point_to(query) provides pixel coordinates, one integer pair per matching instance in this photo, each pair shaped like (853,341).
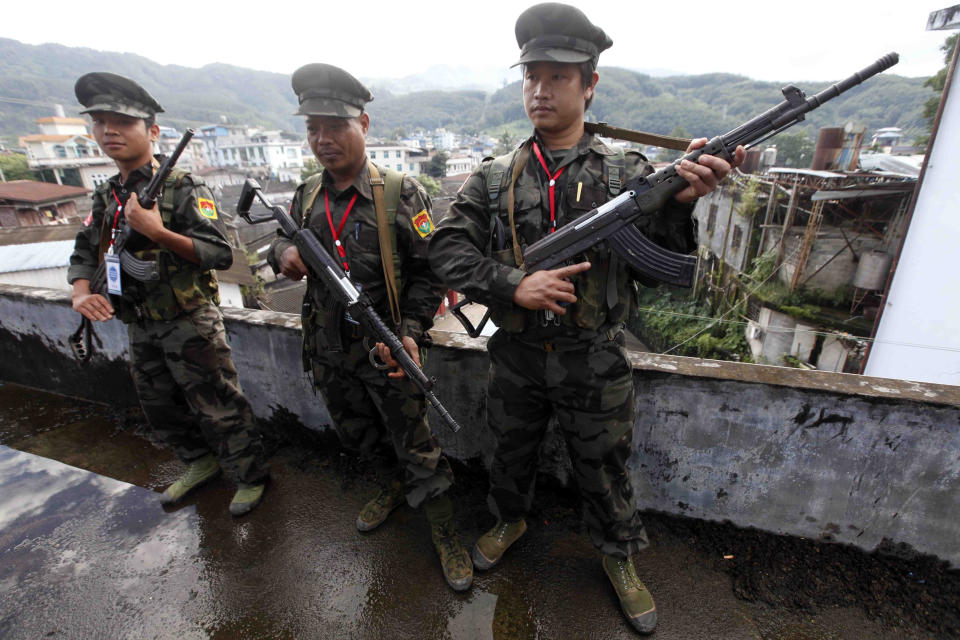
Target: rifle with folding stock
(357,304)
(613,221)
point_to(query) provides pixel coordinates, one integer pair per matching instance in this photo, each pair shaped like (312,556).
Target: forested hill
(702,105)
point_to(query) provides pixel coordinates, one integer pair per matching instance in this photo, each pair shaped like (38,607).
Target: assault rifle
(613,221)
(140,270)
(357,304)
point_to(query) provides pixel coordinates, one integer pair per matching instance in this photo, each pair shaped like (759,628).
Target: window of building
(712,218)
(399,155)
(60,151)
(737,237)
(399,167)
(411,166)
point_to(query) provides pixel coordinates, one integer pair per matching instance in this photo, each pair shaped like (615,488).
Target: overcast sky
(806,40)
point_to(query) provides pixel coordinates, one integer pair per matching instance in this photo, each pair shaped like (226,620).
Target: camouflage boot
(457,568)
(376,511)
(492,545)
(246,498)
(635,601)
(198,472)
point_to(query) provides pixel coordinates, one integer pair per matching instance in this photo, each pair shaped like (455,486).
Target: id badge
(112,263)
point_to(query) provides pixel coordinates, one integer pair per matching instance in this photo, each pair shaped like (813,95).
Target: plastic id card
(113,274)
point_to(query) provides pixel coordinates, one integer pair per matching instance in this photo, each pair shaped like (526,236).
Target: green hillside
(704,105)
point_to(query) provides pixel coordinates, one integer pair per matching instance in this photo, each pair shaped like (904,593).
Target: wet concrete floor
(86,551)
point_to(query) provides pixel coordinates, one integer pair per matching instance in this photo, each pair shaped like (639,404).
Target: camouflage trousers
(589,388)
(189,391)
(383,419)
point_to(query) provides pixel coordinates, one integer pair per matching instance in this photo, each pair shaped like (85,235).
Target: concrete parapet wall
(867,461)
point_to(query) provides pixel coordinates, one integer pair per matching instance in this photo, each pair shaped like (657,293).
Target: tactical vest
(603,293)
(321,317)
(182,286)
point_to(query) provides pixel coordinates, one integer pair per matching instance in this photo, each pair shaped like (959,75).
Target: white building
(408,160)
(278,153)
(193,158)
(443,139)
(65,153)
(460,164)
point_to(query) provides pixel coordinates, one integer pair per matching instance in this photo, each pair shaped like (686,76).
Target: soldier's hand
(409,345)
(545,289)
(705,174)
(93,306)
(291,265)
(146,221)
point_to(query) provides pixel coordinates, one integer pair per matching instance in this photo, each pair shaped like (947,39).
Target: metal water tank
(829,146)
(872,270)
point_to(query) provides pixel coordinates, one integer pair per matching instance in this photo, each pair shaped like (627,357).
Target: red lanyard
(553,182)
(116,216)
(336,232)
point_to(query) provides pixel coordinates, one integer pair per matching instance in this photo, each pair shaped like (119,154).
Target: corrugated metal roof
(860,193)
(40,255)
(808,172)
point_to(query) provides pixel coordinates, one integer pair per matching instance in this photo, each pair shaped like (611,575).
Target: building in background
(27,203)
(65,153)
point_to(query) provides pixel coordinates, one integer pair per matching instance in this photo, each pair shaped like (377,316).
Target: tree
(430,185)
(399,133)
(794,149)
(937,83)
(310,167)
(437,166)
(14,167)
(505,144)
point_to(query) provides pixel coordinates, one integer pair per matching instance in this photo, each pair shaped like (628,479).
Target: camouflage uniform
(573,366)
(180,359)
(380,417)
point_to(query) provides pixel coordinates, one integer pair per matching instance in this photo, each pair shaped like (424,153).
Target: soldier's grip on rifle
(291,265)
(383,352)
(704,176)
(149,223)
(91,306)
(546,289)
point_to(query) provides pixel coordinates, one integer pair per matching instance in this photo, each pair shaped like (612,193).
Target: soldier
(180,359)
(559,348)
(380,415)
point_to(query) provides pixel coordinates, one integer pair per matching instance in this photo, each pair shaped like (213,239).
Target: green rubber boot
(454,559)
(492,545)
(635,601)
(376,511)
(247,497)
(198,472)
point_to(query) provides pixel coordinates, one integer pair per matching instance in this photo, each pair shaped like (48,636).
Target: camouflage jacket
(464,252)
(183,286)
(420,289)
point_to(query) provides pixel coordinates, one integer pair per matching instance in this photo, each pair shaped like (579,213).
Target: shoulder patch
(423,224)
(207,208)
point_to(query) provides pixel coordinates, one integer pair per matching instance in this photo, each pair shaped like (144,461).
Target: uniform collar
(361,183)
(587,143)
(137,175)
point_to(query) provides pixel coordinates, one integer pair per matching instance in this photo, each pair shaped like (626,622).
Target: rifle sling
(519,162)
(641,137)
(386,246)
